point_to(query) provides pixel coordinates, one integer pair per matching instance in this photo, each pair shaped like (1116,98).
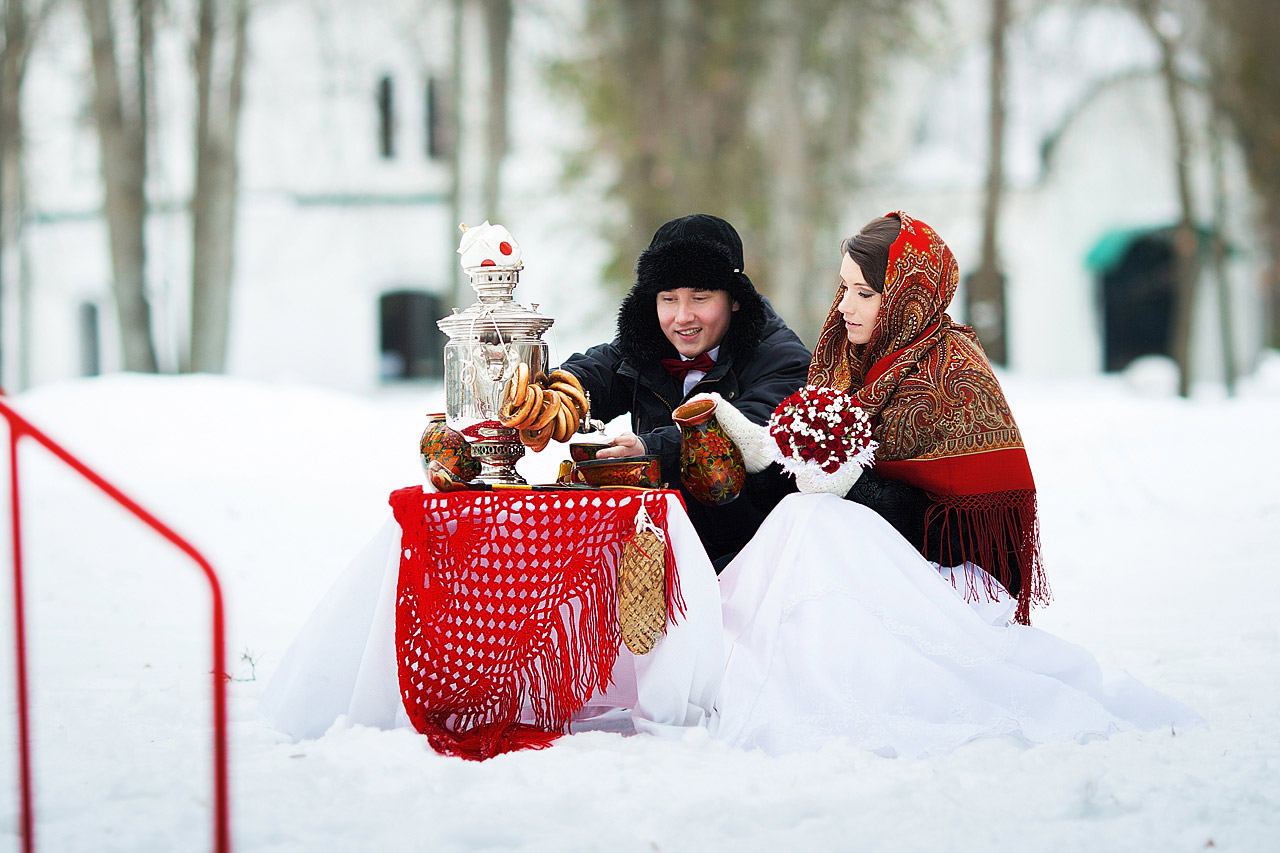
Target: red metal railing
(20,428)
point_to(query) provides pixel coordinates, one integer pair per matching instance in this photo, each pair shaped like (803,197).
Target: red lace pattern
(508,600)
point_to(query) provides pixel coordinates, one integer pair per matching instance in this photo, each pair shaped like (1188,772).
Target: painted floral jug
(710,463)
(445,445)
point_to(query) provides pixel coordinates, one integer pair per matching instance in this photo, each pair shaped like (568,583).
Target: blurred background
(272,189)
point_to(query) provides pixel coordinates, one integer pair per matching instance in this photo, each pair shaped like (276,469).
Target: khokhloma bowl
(641,471)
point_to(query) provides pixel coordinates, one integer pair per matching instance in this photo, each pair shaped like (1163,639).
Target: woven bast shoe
(642,597)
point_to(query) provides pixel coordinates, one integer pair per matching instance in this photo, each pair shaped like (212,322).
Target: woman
(835,624)
(951,473)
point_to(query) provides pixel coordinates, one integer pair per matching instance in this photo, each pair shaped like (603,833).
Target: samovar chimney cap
(491,258)
(488,246)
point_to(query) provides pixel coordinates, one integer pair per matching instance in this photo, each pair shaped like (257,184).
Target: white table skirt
(342,664)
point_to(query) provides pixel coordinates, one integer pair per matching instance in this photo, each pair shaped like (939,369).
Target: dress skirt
(342,664)
(836,628)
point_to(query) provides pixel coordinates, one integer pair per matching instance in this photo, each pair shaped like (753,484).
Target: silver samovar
(486,342)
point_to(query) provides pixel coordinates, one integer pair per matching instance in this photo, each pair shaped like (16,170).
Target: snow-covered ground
(1159,515)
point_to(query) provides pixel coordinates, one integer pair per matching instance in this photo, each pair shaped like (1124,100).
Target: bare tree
(1219,255)
(13,63)
(1245,81)
(420,23)
(21,25)
(1159,23)
(984,292)
(750,111)
(639,102)
(497,20)
(789,229)
(488,22)
(122,137)
(644,29)
(213,202)
(819,74)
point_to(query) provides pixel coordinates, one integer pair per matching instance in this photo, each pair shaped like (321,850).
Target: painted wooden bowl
(642,471)
(584,450)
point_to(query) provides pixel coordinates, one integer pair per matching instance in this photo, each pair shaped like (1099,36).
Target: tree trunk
(644,32)
(789,229)
(1185,241)
(12,66)
(213,204)
(1269,226)
(1220,257)
(1244,77)
(690,102)
(1271,296)
(22,24)
(457,284)
(123,152)
(984,294)
(498,31)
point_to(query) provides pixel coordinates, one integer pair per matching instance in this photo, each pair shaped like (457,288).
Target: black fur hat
(699,251)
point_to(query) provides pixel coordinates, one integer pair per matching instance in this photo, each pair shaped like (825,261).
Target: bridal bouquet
(823,438)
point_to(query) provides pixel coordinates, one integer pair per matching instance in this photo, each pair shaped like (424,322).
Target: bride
(895,612)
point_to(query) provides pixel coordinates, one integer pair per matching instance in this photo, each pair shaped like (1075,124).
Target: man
(694,323)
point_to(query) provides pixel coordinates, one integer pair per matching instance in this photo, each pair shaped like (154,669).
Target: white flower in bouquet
(822,437)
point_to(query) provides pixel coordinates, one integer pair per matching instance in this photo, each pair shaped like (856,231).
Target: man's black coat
(760,362)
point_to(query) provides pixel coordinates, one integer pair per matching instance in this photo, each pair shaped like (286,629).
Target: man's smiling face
(695,321)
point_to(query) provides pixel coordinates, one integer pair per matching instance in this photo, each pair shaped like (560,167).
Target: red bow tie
(679,368)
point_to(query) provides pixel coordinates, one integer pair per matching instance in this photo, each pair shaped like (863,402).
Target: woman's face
(860,305)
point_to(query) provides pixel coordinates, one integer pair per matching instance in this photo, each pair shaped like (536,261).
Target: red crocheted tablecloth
(508,600)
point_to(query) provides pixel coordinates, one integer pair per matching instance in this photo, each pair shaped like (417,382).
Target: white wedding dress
(835,627)
(342,664)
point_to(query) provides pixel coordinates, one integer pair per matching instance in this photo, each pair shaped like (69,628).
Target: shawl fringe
(470,660)
(484,742)
(999,531)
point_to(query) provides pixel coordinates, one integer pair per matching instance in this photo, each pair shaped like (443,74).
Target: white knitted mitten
(750,437)
(812,480)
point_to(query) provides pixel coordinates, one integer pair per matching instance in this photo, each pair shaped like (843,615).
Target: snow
(1159,516)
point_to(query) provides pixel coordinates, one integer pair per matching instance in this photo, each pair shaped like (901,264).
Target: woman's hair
(869,248)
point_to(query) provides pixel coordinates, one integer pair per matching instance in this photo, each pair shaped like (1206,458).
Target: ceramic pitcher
(710,464)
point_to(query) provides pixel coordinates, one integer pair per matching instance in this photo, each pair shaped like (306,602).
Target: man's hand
(627,444)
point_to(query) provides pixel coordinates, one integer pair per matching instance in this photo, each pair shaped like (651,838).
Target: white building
(346,236)
(1092,196)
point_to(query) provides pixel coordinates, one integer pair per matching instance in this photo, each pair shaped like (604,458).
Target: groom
(693,323)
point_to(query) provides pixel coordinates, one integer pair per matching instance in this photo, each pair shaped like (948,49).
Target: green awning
(1107,252)
(1110,248)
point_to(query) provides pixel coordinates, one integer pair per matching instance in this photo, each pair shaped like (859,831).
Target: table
(345,665)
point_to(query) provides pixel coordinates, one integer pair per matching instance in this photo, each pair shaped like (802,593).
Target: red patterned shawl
(939,414)
(506,601)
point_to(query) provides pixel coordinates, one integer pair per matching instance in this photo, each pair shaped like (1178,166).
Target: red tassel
(485,741)
(984,525)
(502,604)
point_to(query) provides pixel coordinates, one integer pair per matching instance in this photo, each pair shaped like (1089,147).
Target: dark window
(386,118)
(1137,301)
(89,345)
(412,345)
(439,119)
